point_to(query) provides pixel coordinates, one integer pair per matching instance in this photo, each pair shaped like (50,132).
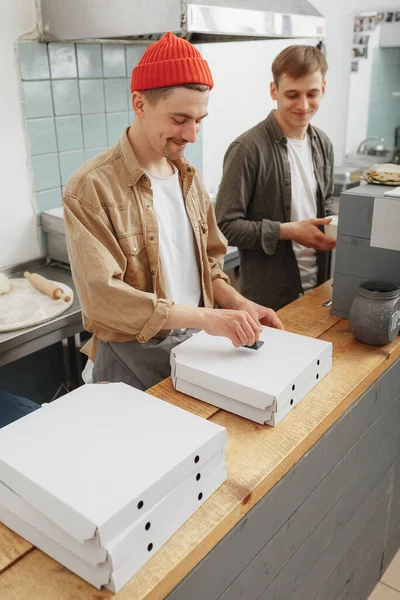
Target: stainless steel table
(66,328)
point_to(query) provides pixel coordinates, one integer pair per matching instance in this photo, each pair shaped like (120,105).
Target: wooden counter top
(257,458)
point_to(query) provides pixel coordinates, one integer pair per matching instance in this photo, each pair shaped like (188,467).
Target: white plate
(25,306)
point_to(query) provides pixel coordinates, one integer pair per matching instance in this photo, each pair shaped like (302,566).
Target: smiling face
(298,100)
(172,120)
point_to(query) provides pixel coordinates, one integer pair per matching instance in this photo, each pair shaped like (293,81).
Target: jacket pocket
(132,245)
(137,272)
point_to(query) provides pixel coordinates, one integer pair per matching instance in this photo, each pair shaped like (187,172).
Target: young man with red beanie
(146,253)
(277,186)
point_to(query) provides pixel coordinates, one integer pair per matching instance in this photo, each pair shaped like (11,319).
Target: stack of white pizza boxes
(101,478)
(262,384)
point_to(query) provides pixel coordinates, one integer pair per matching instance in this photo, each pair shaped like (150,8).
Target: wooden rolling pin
(46,286)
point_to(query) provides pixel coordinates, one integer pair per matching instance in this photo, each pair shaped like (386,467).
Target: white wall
(242,75)
(333,116)
(359,97)
(18,231)
(240,98)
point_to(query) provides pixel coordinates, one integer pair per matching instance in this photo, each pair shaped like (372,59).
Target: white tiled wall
(77,103)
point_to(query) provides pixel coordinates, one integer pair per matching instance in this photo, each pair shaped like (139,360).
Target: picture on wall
(397,16)
(363,24)
(354,66)
(366,23)
(360,39)
(360,52)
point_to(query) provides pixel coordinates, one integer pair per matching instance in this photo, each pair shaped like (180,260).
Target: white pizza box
(238,408)
(142,533)
(276,376)
(117,550)
(102,575)
(98,458)
(186,509)
(264,417)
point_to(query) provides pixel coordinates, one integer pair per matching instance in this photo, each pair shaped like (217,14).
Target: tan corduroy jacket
(112,237)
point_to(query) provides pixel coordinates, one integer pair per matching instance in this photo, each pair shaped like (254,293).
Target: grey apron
(138,365)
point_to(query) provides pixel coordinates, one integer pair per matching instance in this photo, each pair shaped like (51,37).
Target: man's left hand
(261,314)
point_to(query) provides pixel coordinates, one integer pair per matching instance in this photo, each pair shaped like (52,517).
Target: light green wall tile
(89,61)
(46,172)
(69,163)
(66,97)
(48,199)
(92,96)
(42,136)
(69,133)
(114,62)
(116,124)
(94,131)
(62,61)
(38,100)
(116,97)
(33,61)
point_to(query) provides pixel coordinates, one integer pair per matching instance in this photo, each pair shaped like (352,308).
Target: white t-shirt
(176,239)
(304,205)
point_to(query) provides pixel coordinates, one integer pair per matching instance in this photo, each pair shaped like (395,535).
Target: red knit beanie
(170,61)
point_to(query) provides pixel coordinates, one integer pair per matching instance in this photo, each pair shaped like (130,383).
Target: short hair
(297,61)
(155,94)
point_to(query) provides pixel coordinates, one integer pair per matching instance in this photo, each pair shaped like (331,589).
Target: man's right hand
(237,325)
(308,234)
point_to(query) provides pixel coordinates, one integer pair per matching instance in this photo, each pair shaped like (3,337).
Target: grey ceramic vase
(375,313)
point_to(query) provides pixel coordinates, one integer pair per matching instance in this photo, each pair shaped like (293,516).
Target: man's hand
(261,314)
(254,314)
(308,234)
(237,325)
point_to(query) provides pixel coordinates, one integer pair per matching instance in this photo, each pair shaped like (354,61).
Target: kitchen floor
(389,586)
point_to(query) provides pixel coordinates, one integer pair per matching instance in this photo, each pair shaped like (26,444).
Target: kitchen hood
(198,21)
